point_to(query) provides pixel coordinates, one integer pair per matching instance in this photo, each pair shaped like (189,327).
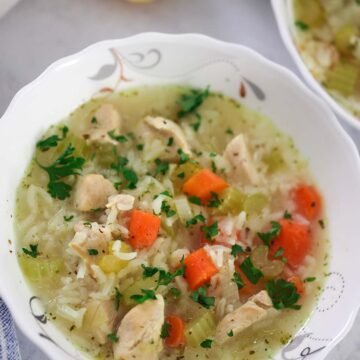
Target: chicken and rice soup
(328,39)
(171,223)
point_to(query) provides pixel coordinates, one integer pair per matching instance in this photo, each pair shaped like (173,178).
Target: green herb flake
(128,174)
(229,131)
(196,219)
(181,175)
(53,140)
(118,138)
(117,298)
(65,165)
(97,210)
(190,102)
(206,344)
(301,25)
(149,271)
(175,292)
(212,154)
(33,252)
(201,298)
(112,337)
(287,215)
(251,272)
(165,330)
(194,200)
(283,294)
(214,201)
(210,231)
(230,333)
(94,120)
(197,123)
(309,279)
(183,157)
(170,141)
(213,167)
(236,250)
(279,252)
(167,210)
(140,147)
(238,280)
(162,167)
(93,252)
(147,294)
(271,234)
(68,218)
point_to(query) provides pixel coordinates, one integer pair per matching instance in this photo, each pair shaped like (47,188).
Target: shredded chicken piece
(243,168)
(122,202)
(92,192)
(255,309)
(107,119)
(139,332)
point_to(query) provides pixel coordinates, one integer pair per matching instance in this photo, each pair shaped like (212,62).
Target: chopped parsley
(65,165)
(68,218)
(251,272)
(309,279)
(206,344)
(147,294)
(170,141)
(140,147)
(196,124)
(166,193)
(301,25)
(190,102)
(194,220)
(94,120)
(165,330)
(279,252)
(236,249)
(52,141)
(283,294)
(230,333)
(287,215)
(162,167)
(238,280)
(194,200)
(229,131)
(210,231)
(213,166)
(212,154)
(118,138)
(183,157)
(358,2)
(149,271)
(112,337)
(214,201)
(87,224)
(128,174)
(181,175)
(271,234)
(167,210)
(97,210)
(33,252)
(200,297)
(175,292)
(93,252)
(117,299)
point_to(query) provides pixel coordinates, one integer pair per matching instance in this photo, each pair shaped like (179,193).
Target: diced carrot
(249,288)
(298,284)
(199,268)
(294,238)
(203,183)
(176,331)
(308,201)
(143,228)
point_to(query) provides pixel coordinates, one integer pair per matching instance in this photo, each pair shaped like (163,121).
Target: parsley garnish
(206,344)
(162,167)
(279,252)
(287,215)
(68,218)
(190,102)
(93,252)
(196,125)
(117,299)
(236,249)
(140,147)
(251,272)
(309,279)
(214,201)
(301,25)
(112,337)
(229,131)
(194,200)
(358,2)
(170,141)
(200,297)
(181,175)
(128,174)
(283,294)
(167,210)
(213,166)
(147,295)
(271,234)
(230,333)
(65,165)
(175,292)
(183,157)
(149,271)
(87,224)
(118,138)
(97,210)
(165,330)
(212,154)
(52,140)
(166,193)
(33,252)
(238,280)
(193,221)
(210,231)
(94,120)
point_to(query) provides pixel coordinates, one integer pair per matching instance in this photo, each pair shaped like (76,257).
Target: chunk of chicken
(139,332)
(169,129)
(107,119)
(122,202)
(100,319)
(254,310)
(92,192)
(243,168)
(90,236)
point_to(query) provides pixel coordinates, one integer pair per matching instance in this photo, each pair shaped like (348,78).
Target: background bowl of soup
(192,61)
(292,30)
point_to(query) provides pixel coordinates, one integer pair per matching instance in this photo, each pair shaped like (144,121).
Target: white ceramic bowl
(285,24)
(198,61)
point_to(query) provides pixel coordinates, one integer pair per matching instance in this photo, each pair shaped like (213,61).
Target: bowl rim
(190,38)
(285,34)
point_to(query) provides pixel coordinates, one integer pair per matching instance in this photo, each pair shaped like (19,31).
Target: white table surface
(35,33)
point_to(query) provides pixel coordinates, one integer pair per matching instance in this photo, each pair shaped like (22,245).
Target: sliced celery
(309,12)
(343,78)
(274,160)
(344,38)
(40,270)
(232,201)
(254,203)
(200,328)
